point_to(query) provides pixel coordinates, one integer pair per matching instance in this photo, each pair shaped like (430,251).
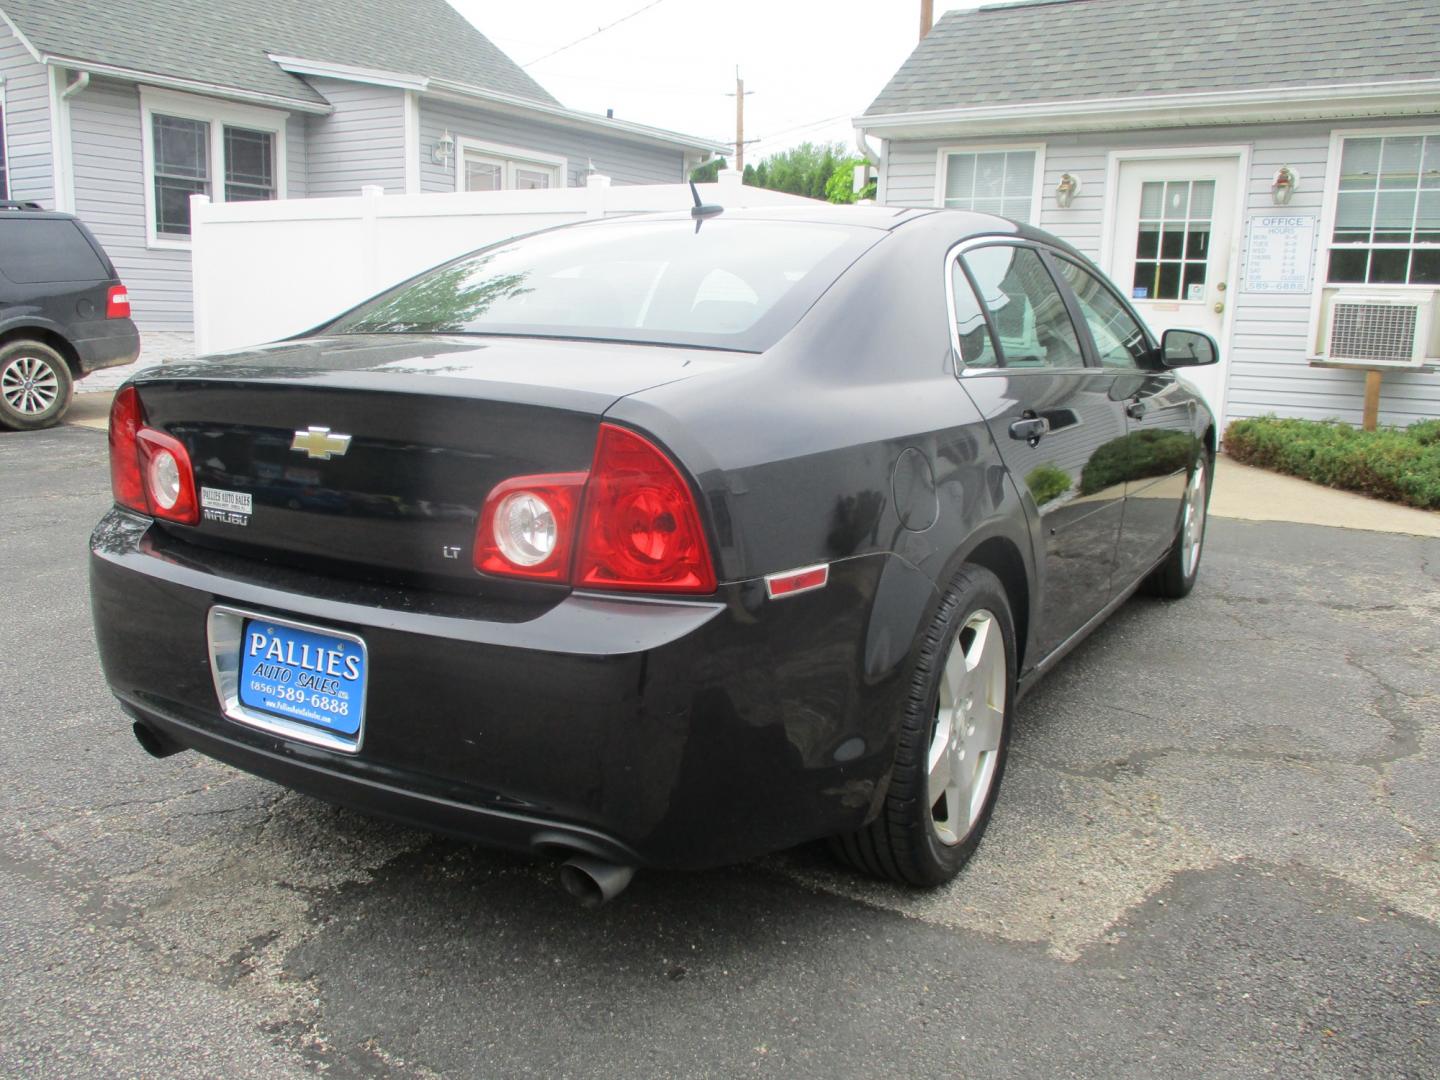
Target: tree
(709,172)
(841,186)
(809,169)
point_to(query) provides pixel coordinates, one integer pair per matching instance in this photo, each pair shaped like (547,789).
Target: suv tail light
(150,471)
(117,302)
(630,523)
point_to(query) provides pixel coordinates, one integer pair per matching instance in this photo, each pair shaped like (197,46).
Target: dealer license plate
(303,675)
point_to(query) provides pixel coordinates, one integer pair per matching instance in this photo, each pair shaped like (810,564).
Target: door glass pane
(1172,243)
(249,165)
(483,174)
(1025,306)
(1118,337)
(976,348)
(182,168)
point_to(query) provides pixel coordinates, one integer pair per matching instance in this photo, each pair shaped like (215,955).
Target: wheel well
(45,337)
(1002,558)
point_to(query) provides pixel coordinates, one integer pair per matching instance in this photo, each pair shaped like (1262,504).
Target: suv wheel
(35,386)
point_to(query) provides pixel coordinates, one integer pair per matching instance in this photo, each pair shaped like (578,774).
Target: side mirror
(1188,348)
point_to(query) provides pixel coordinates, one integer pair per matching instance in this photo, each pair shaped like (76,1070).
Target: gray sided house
(121,116)
(1268,171)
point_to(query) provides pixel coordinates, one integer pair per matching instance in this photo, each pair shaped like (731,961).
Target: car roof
(11,210)
(952,225)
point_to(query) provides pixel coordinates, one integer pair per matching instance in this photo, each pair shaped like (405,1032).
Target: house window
(182,169)
(197,146)
(1387,212)
(990,181)
(485,167)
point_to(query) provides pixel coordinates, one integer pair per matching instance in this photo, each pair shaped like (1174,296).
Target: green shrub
(1047,483)
(1399,464)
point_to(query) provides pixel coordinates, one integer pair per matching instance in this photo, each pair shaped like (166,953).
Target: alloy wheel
(29,385)
(969,722)
(1192,529)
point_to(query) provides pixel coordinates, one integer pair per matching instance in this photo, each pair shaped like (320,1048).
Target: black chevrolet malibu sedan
(663,541)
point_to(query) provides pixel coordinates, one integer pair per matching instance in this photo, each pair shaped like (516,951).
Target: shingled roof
(226,43)
(1073,50)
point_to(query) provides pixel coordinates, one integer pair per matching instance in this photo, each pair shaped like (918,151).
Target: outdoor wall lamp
(1284,185)
(443,149)
(1066,189)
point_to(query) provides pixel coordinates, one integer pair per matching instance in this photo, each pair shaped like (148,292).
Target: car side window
(1030,318)
(1119,339)
(976,348)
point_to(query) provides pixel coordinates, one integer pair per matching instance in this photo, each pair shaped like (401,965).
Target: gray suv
(63,313)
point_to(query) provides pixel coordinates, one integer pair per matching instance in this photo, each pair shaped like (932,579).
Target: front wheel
(953,739)
(1176,576)
(35,386)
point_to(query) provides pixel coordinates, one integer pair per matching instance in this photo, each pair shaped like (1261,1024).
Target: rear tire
(35,386)
(1176,576)
(954,735)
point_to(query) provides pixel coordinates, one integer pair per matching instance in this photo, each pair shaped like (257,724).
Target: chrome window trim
(952,256)
(224,634)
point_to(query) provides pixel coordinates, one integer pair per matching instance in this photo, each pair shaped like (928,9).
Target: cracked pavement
(1215,852)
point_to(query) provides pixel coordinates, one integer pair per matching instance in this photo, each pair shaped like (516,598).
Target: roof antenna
(700,211)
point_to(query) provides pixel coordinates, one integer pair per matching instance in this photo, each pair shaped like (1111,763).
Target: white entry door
(1172,250)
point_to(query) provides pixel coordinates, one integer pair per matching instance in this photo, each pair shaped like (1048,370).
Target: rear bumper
(666,733)
(118,344)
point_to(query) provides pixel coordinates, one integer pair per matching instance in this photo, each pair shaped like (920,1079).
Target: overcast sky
(811,64)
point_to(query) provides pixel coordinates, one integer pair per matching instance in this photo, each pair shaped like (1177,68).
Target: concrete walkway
(1252,494)
(1240,491)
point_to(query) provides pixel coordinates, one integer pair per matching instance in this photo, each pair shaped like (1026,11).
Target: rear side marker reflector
(791,582)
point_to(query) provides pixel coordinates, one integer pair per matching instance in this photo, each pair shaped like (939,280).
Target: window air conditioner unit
(1379,330)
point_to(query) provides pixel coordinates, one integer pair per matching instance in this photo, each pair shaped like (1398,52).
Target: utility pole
(740,93)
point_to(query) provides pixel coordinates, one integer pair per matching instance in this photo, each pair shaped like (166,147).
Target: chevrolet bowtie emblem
(320,442)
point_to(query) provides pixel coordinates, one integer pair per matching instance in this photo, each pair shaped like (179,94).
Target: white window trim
(512,155)
(5,143)
(217,114)
(1328,205)
(1037,189)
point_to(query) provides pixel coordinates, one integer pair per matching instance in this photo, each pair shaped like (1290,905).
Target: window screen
(998,182)
(1029,315)
(34,250)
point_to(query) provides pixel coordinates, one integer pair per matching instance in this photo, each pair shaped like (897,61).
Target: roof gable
(1074,50)
(228,42)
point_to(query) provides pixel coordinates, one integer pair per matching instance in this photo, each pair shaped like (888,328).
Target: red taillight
(149,470)
(527,527)
(117,302)
(126,420)
(639,528)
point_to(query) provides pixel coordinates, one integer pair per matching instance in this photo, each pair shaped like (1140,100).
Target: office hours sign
(1280,253)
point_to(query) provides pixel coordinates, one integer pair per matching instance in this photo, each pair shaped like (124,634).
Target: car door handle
(1135,410)
(1031,429)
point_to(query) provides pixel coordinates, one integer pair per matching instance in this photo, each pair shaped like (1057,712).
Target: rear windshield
(732,285)
(47,249)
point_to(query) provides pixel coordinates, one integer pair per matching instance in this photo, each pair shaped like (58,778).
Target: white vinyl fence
(265,270)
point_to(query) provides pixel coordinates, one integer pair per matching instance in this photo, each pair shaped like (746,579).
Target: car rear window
(731,284)
(41,250)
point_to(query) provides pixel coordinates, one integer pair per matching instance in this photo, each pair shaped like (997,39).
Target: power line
(598,30)
(801,127)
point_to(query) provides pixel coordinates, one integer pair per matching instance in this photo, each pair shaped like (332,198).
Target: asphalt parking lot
(1217,854)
